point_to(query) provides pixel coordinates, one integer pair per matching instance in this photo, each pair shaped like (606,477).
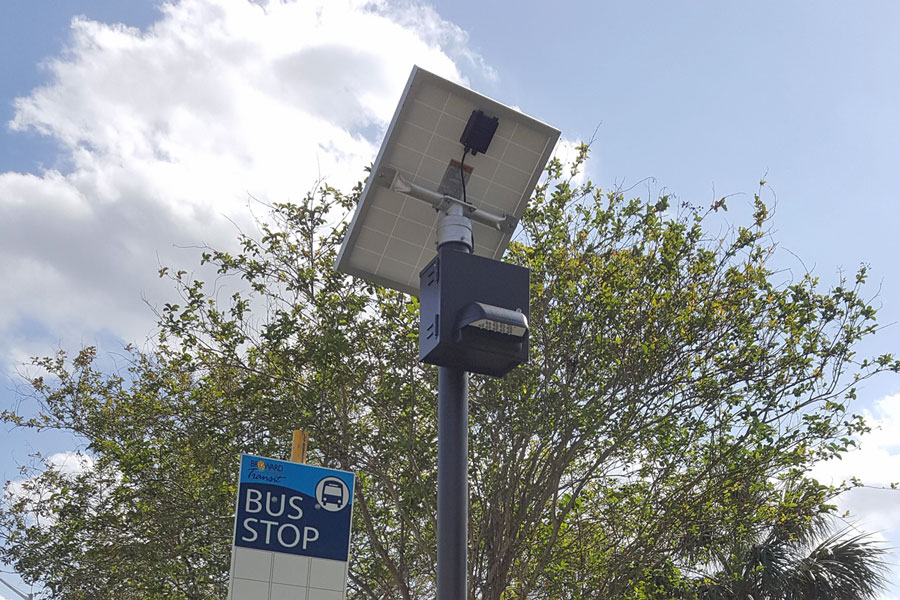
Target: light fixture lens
(498,327)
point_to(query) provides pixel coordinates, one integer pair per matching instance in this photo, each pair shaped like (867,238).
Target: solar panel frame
(392,237)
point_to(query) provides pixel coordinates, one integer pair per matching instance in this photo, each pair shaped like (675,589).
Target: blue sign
(294,508)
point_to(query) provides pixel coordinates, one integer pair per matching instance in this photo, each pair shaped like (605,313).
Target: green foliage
(797,558)
(679,389)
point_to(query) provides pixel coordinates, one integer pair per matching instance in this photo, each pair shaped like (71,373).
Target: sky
(131,133)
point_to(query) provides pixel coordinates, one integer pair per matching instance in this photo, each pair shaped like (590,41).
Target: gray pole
(9,585)
(453,485)
(453,450)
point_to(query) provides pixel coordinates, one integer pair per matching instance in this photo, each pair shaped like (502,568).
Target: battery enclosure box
(450,282)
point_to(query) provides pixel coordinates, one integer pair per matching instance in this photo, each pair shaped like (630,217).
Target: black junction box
(479,132)
(454,280)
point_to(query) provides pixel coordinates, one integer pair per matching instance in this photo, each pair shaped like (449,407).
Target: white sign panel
(292,531)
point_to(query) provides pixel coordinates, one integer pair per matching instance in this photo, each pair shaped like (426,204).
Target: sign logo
(332,494)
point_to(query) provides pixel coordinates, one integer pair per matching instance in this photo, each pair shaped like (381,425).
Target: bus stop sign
(291,531)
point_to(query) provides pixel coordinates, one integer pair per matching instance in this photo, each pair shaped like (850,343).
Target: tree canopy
(679,390)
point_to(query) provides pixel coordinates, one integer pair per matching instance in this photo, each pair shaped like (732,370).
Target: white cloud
(69,464)
(165,132)
(875,463)
(36,490)
(567,151)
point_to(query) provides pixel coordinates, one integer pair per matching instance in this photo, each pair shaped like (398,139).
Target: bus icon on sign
(332,494)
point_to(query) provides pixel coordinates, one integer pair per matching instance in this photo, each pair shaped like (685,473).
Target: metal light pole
(454,235)
(453,484)
(21,595)
(454,240)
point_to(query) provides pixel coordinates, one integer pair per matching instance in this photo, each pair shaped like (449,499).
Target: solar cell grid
(392,236)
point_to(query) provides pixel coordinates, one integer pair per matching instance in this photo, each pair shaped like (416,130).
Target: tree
(797,558)
(678,386)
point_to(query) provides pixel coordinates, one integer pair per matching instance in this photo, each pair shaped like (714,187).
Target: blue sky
(126,145)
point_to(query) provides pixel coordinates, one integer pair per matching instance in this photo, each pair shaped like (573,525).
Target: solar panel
(392,236)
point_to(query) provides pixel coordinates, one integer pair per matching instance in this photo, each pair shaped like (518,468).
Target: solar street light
(446,192)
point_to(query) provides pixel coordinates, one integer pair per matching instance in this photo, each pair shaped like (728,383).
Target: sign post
(299,446)
(292,531)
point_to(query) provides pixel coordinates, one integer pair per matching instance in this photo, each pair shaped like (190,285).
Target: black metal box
(454,280)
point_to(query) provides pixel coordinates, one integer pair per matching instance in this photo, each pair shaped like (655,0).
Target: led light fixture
(473,313)
(492,319)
